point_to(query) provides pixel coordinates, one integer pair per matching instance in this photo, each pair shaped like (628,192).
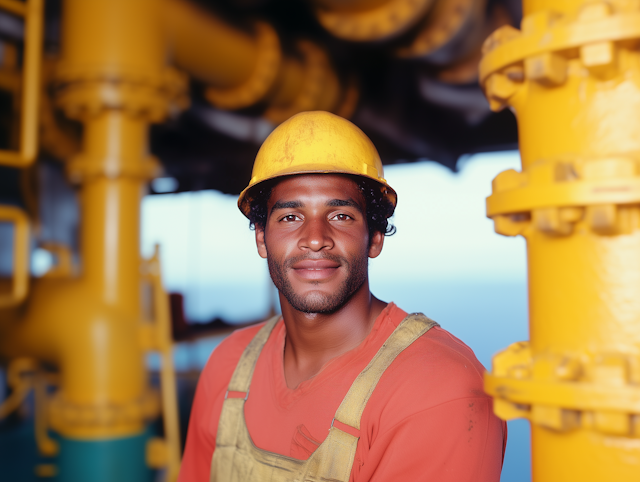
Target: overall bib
(237,459)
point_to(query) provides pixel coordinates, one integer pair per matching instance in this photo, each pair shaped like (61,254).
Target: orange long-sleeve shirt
(428,418)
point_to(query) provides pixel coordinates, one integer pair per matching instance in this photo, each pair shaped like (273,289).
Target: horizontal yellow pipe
(206,47)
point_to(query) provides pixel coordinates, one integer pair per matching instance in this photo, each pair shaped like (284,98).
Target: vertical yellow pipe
(112,76)
(109,238)
(111,219)
(572,76)
(117,37)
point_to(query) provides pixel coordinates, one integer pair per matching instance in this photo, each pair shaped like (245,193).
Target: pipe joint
(265,71)
(82,168)
(373,21)
(565,392)
(551,45)
(320,88)
(554,196)
(450,31)
(85,94)
(102,419)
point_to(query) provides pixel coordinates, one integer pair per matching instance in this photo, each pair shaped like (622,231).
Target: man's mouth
(315,269)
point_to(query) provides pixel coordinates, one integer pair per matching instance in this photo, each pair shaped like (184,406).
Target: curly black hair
(378,207)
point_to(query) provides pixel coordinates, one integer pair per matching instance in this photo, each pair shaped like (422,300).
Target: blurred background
(126,125)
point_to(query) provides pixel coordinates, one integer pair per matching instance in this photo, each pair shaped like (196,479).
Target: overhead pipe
(242,68)
(438,31)
(206,47)
(447,35)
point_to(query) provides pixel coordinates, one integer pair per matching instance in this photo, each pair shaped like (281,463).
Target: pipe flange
(153,99)
(451,30)
(548,40)
(554,196)
(254,89)
(75,419)
(381,22)
(80,168)
(64,74)
(566,391)
(318,77)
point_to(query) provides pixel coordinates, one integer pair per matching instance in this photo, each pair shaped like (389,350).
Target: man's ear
(262,247)
(375,246)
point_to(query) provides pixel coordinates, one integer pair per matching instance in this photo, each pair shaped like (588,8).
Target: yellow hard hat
(316,142)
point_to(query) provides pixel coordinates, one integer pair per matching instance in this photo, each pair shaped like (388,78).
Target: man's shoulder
(437,367)
(437,375)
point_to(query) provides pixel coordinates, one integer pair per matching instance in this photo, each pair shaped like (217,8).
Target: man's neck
(313,339)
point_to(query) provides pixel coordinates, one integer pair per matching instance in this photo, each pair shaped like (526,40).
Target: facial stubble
(316,302)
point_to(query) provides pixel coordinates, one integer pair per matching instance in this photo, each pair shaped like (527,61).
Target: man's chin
(314,302)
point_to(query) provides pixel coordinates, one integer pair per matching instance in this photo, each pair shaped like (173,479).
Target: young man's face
(316,241)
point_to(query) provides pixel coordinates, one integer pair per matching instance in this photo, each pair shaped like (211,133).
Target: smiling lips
(315,269)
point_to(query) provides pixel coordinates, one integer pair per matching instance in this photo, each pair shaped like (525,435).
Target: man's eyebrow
(339,203)
(287,205)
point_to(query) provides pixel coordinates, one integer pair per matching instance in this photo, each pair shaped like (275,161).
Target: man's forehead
(308,186)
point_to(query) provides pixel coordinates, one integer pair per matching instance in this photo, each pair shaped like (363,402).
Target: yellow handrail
(20,285)
(164,452)
(32,12)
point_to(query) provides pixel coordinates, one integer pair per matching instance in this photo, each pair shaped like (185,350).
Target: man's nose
(316,235)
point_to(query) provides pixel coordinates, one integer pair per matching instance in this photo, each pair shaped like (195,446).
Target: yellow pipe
(206,47)
(290,81)
(370,20)
(109,240)
(572,75)
(111,218)
(101,357)
(14,7)
(115,83)
(125,41)
(242,68)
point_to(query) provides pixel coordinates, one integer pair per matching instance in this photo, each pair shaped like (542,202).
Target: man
(343,386)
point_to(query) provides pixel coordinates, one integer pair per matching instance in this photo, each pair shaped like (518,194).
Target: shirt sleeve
(198,451)
(458,441)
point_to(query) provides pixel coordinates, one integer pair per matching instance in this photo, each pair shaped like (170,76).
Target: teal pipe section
(106,460)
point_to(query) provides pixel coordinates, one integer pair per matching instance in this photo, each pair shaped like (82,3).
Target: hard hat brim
(244,201)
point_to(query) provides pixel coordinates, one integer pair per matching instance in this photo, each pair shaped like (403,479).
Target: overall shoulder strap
(231,425)
(241,378)
(409,330)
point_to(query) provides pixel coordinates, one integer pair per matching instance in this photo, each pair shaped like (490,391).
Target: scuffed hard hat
(315,142)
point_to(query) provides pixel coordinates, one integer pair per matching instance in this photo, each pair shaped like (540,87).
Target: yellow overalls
(237,459)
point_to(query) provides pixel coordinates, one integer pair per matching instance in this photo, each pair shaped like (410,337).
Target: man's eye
(342,217)
(290,217)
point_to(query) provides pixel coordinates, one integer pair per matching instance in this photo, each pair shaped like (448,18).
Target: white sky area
(208,251)
(443,232)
